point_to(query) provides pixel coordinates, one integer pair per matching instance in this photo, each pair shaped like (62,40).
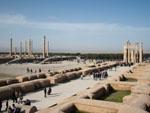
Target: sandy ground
(20,69)
(65,90)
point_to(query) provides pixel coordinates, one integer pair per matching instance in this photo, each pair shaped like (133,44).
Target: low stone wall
(25,87)
(122,85)
(95,106)
(61,78)
(3,83)
(41,75)
(32,77)
(12,81)
(22,78)
(5,93)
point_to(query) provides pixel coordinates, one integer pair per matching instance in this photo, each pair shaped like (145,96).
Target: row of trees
(107,56)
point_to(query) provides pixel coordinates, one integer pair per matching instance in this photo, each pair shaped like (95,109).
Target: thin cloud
(71,27)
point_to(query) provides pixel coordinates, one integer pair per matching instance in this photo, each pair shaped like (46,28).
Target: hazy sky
(75,25)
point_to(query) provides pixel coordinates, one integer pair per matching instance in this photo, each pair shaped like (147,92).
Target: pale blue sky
(75,25)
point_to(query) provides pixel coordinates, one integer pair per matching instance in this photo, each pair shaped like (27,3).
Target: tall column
(20,48)
(44,47)
(25,47)
(141,53)
(132,53)
(15,51)
(30,47)
(129,52)
(11,46)
(47,49)
(125,53)
(137,52)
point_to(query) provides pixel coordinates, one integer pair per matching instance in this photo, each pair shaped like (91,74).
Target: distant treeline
(110,56)
(107,56)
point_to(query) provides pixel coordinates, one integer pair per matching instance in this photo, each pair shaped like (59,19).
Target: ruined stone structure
(133,53)
(20,48)
(25,48)
(45,48)
(10,46)
(30,47)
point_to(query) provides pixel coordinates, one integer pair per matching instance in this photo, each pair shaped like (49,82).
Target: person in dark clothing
(7,105)
(10,110)
(28,70)
(16,96)
(45,91)
(14,108)
(27,102)
(13,96)
(49,71)
(20,97)
(49,90)
(0,106)
(40,70)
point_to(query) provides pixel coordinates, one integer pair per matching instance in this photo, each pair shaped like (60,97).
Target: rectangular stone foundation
(115,96)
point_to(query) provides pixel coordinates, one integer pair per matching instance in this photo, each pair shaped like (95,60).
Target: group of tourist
(17,98)
(100,75)
(33,71)
(10,109)
(47,92)
(28,70)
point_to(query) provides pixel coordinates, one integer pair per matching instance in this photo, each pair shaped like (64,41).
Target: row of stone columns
(28,48)
(133,53)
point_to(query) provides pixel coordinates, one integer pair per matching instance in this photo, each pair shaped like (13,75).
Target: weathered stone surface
(5,92)
(141,89)
(22,78)
(12,81)
(3,82)
(137,100)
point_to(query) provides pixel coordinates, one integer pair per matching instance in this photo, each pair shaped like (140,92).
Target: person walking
(45,91)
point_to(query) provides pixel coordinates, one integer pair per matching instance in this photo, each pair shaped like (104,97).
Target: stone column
(125,53)
(29,47)
(137,52)
(132,53)
(15,51)
(129,52)
(141,53)
(26,47)
(44,46)
(11,46)
(47,49)
(21,48)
